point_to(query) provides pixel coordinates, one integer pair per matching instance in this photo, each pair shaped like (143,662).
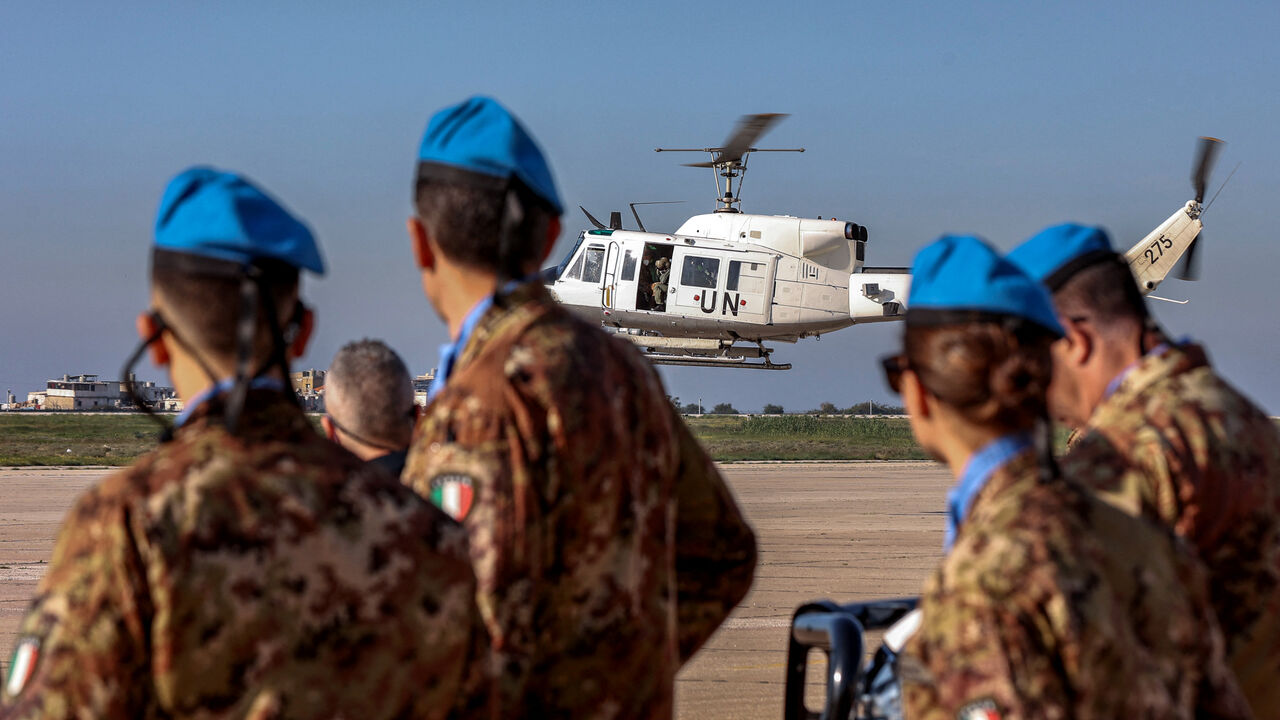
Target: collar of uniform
(452,354)
(977,471)
(523,301)
(1023,468)
(1120,377)
(203,397)
(1163,361)
(449,351)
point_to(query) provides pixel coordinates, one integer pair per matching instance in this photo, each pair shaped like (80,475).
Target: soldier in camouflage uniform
(606,545)
(1049,603)
(1162,435)
(247,568)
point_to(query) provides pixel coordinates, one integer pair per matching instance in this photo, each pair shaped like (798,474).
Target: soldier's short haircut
(1105,292)
(369,391)
(204,310)
(994,375)
(466,222)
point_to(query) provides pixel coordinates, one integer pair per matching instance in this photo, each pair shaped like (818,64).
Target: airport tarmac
(844,531)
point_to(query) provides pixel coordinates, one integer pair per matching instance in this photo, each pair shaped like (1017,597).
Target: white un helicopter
(714,291)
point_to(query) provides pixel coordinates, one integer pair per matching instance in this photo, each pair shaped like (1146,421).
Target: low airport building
(89,392)
(81,392)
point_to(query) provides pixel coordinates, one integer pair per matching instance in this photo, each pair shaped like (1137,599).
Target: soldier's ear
(326,425)
(146,325)
(423,255)
(914,397)
(306,325)
(1080,342)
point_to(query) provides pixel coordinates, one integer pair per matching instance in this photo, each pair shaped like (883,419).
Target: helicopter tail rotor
(1207,153)
(1189,266)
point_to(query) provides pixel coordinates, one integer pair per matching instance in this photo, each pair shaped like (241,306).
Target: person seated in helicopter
(1046,594)
(662,270)
(644,294)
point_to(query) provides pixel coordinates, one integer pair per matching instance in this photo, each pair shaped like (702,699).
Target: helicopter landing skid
(740,363)
(705,352)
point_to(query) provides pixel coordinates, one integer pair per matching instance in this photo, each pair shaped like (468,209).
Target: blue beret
(221,215)
(1054,254)
(960,277)
(481,137)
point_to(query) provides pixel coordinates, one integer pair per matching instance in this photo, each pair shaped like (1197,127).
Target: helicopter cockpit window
(700,271)
(575,272)
(628,267)
(593,267)
(569,256)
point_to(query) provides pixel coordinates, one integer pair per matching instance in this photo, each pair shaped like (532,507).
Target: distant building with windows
(307,381)
(81,392)
(90,392)
(422,386)
(308,386)
(154,396)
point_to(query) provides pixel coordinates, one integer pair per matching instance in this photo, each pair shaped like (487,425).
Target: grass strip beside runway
(74,438)
(118,438)
(806,437)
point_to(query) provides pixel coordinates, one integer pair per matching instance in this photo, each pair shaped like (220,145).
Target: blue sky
(919,119)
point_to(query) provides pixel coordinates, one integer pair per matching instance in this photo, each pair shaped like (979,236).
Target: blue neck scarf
(981,466)
(450,351)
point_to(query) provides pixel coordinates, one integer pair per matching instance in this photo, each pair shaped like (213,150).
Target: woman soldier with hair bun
(1049,603)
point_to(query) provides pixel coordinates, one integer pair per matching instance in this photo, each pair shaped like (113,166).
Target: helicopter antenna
(651,202)
(1224,184)
(730,160)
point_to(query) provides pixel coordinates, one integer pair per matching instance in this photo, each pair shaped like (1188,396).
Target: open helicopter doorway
(655,277)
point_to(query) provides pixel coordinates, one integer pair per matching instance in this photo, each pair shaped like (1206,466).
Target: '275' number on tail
(1156,251)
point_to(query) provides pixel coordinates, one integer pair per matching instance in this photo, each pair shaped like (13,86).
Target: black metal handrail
(837,630)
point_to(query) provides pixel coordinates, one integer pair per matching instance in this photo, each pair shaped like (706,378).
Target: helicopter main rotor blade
(749,129)
(1209,148)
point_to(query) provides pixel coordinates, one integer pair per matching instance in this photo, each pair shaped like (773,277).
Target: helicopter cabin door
(625,281)
(727,286)
(609,287)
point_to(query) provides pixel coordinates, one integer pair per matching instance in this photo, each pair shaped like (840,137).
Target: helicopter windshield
(569,256)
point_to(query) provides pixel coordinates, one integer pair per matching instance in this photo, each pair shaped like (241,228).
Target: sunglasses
(894,366)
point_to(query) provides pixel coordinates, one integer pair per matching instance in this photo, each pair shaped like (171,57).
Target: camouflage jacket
(607,547)
(1053,604)
(266,575)
(1181,446)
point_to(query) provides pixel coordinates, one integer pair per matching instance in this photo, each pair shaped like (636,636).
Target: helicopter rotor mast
(730,160)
